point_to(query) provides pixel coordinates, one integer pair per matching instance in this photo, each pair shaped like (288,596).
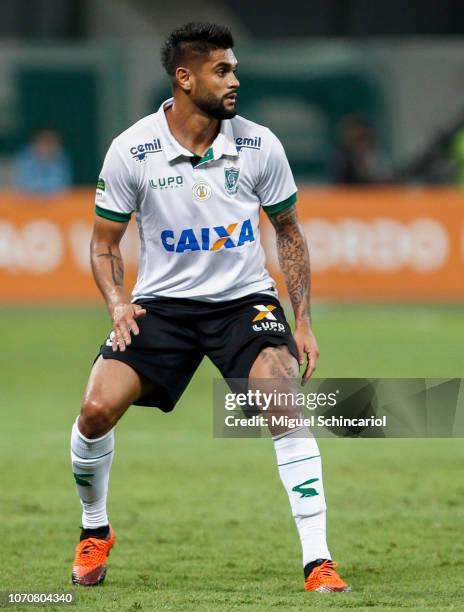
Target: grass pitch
(203,523)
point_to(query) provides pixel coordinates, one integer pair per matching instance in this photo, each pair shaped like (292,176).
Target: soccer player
(196,175)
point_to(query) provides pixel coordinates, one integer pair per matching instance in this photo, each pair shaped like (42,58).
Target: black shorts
(176,334)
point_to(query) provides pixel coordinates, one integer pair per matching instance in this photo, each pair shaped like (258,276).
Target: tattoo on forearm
(117,266)
(294,259)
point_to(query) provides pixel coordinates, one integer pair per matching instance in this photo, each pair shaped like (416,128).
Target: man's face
(214,84)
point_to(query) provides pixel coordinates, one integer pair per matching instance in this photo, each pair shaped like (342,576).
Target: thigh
(275,362)
(115,383)
(275,373)
(251,343)
(165,352)
(112,387)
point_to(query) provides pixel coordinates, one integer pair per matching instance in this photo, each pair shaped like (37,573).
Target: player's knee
(95,418)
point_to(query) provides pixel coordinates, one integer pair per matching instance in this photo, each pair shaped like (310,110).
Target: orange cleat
(324,579)
(89,568)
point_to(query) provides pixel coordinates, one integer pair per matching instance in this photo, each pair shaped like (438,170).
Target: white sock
(91,462)
(299,461)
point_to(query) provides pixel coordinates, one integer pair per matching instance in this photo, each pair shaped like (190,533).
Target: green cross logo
(308,491)
(80,479)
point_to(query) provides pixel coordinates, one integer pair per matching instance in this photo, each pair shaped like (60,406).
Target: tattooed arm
(108,272)
(294,262)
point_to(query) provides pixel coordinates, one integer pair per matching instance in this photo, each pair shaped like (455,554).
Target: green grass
(203,523)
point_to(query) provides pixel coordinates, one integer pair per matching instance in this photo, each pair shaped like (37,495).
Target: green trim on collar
(280,206)
(198,161)
(113,216)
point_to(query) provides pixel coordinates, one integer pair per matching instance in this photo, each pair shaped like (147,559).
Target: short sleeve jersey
(198,218)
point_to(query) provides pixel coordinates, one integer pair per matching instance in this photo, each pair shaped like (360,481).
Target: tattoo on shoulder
(117,266)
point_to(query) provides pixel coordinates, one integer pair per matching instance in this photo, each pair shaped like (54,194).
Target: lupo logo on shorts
(265,320)
(140,151)
(208,238)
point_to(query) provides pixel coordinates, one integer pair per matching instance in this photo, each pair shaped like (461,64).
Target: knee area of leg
(95,418)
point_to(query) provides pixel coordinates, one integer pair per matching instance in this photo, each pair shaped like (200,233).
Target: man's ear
(184,78)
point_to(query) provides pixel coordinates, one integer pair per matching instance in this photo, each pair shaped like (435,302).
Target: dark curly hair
(194,39)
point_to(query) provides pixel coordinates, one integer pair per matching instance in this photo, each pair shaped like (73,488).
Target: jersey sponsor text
(248,143)
(140,151)
(208,238)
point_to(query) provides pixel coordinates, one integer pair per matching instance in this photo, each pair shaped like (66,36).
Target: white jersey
(198,218)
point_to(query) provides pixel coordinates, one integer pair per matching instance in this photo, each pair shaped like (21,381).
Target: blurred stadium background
(367,100)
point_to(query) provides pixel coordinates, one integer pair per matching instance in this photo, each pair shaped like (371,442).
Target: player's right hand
(124,324)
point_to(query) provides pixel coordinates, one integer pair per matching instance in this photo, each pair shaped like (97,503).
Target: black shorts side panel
(166,352)
(235,338)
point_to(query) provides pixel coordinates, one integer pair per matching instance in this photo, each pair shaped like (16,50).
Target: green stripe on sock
(298,460)
(92,458)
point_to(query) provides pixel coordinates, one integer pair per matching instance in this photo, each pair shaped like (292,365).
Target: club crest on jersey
(208,238)
(231,176)
(265,320)
(201,191)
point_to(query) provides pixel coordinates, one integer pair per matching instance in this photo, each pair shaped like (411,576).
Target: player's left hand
(308,350)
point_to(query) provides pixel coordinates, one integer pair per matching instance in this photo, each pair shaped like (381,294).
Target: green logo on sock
(306,492)
(79,478)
